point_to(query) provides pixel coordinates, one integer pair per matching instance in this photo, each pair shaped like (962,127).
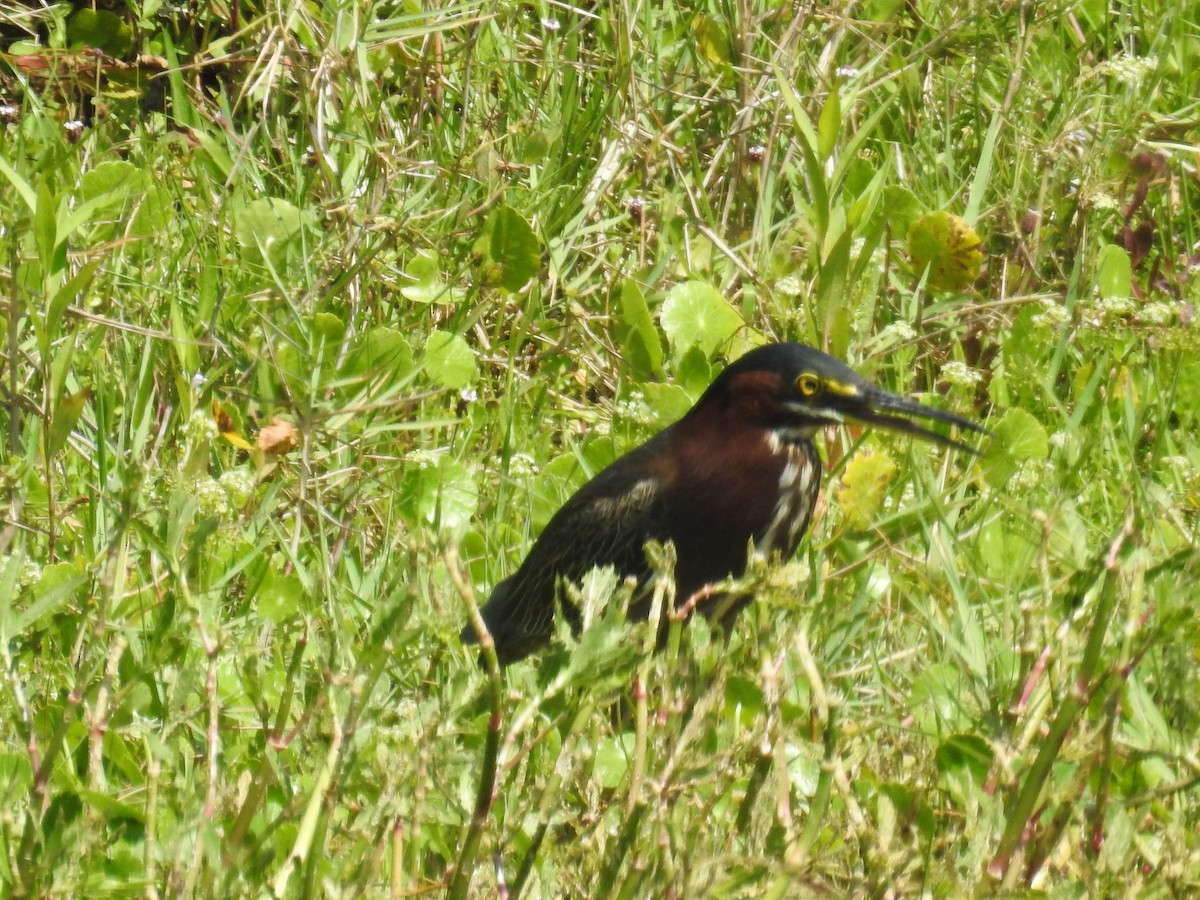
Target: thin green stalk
(314,825)
(634,885)
(758,777)
(460,881)
(630,832)
(1023,804)
(827,714)
(150,845)
(396,883)
(37,793)
(797,856)
(549,800)
(212,649)
(262,773)
(308,824)
(663,600)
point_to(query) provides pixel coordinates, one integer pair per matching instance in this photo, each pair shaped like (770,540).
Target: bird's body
(739,471)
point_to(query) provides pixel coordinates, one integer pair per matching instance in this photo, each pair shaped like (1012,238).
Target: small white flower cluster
(1156,313)
(200,428)
(1129,70)
(789,285)
(895,333)
(223,496)
(29,573)
(422,459)
(1030,474)
(1188,474)
(1053,315)
(238,485)
(1104,308)
(1102,200)
(1114,306)
(960,374)
(522,465)
(210,497)
(635,408)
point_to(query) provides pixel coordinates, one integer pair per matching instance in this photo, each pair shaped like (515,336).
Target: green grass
(474,253)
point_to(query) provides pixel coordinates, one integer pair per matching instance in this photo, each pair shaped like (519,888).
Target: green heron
(740,467)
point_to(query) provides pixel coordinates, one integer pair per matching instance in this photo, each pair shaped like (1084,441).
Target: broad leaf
(449,360)
(1015,438)
(512,250)
(949,248)
(695,314)
(863,486)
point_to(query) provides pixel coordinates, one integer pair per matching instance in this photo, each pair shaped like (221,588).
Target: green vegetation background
(464,254)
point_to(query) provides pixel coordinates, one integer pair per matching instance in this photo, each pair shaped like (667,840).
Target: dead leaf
(228,427)
(278,438)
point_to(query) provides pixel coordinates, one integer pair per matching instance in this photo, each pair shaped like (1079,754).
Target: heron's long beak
(875,406)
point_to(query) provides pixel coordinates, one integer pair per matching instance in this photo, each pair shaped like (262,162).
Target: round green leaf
(268,227)
(101,29)
(449,360)
(695,314)
(512,249)
(963,761)
(425,281)
(443,495)
(670,402)
(939,699)
(152,213)
(328,328)
(612,759)
(1114,273)
(1003,548)
(115,176)
(900,208)
(380,350)
(279,596)
(1015,438)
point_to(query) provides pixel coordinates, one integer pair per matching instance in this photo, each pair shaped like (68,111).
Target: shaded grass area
(462,257)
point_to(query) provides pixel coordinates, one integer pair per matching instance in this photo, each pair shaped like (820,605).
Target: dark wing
(605,523)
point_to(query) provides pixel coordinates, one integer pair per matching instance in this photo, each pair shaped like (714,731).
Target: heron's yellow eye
(808,384)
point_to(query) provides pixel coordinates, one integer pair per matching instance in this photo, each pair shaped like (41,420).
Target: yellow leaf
(228,427)
(863,485)
(948,247)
